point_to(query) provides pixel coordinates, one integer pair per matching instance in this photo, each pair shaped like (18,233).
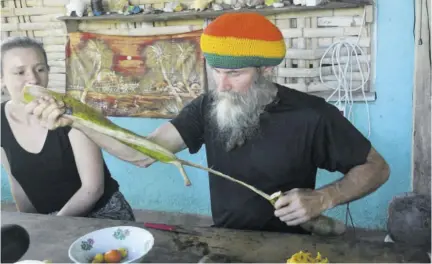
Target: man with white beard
(269,136)
(237,114)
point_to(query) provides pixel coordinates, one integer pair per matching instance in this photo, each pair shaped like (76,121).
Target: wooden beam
(190,15)
(421,158)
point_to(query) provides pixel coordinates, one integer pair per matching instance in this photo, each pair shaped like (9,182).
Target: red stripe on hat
(244,25)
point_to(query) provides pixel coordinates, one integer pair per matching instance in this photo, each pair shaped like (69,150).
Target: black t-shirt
(298,134)
(49,178)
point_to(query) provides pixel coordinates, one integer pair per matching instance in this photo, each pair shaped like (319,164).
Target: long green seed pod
(84,115)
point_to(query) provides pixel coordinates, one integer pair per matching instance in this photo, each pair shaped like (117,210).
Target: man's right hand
(49,112)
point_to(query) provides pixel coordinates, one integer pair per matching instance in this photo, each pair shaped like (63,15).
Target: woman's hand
(49,112)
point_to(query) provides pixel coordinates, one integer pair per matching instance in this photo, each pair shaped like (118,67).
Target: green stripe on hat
(238,62)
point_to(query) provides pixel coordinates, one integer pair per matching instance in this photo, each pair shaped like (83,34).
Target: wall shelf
(190,15)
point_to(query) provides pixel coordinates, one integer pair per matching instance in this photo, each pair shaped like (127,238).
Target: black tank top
(49,178)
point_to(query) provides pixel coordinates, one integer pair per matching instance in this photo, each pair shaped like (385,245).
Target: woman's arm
(22,202)
(89,162)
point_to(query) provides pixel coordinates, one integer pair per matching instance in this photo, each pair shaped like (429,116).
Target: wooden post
(421,158)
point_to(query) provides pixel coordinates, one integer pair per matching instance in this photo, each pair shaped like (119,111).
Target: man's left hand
(300,205)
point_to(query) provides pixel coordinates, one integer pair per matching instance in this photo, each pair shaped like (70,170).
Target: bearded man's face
(239,97)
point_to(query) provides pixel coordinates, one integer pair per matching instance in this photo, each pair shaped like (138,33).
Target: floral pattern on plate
(121,234)
(87,244)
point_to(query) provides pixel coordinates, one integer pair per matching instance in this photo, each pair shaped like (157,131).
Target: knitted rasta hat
(240,40)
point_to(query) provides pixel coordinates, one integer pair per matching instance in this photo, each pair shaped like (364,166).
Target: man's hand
(48,112)
(300,205)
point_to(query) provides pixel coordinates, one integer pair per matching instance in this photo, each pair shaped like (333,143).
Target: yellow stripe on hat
(230,46)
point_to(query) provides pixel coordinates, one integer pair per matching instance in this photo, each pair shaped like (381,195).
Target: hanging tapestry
(144,76)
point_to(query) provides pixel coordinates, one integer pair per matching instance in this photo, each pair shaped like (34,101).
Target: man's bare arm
(358,182)
(166,135)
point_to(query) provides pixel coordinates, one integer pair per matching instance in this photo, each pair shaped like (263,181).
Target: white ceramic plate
(137,241)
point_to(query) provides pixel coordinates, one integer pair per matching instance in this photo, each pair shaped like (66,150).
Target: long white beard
(237,116)
(227,113)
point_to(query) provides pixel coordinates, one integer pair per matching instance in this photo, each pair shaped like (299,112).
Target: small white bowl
(137,241)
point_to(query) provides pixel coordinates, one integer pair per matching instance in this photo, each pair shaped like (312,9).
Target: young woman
(60,171)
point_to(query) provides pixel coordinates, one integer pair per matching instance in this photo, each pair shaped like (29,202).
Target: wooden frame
(421,140)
